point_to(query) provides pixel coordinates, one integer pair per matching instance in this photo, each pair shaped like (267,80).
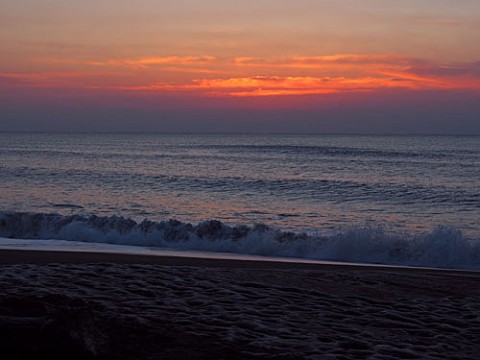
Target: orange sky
(248,51)
(211,76)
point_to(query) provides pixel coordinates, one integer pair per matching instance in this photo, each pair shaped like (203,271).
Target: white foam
(443,247)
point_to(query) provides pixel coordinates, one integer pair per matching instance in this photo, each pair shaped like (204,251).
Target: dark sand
(60,305)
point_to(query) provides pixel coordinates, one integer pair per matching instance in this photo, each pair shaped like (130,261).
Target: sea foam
(443,247)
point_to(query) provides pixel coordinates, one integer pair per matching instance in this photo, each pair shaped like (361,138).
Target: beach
(58,305)
(239,180)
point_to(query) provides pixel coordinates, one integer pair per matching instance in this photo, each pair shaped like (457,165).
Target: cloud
(281,86)
(442,76)
(338,61)
(448,70)
(252,77)
(353,59)
(143,63)
(43,75)
(53,79)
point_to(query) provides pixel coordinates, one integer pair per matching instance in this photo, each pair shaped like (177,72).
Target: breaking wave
(443,247)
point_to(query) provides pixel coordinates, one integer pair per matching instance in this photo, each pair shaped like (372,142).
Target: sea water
(394,199)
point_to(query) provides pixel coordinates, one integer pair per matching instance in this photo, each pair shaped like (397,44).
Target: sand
(59,305)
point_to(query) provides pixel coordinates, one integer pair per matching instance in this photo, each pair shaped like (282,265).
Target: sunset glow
(339,73)
(219,51)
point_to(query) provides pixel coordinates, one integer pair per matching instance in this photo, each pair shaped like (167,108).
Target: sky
(310,66)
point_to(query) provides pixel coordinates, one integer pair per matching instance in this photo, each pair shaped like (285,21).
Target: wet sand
(58,305)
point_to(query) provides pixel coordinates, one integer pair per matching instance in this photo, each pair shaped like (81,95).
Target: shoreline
(39,257)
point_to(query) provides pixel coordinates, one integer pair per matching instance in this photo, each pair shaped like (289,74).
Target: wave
(318,189)
(442,247)
(341,151)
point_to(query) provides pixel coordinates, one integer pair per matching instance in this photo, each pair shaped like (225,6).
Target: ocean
(410,200)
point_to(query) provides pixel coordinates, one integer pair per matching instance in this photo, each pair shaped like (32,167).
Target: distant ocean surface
(374,187)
